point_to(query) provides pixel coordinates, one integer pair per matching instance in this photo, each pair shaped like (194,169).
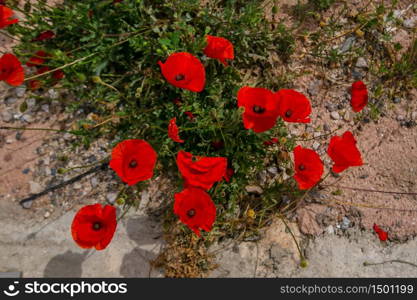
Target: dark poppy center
(301,167)
(133,164)
(288,113)
(97,226)
(258,109)
(180,77)
(191,213)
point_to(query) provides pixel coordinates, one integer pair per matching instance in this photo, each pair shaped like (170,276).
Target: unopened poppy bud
(120,201)
(303,263)
(81,77)
(96,79)
(274,9)
(61,171)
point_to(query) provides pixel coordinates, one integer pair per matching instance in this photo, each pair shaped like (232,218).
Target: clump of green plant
(109,52)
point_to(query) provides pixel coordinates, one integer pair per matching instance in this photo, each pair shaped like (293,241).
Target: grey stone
(111,197)
(331,107)
(356,74)
(396,100)
(11,100)
(414,115)
(361,63)
(45,108)
(410,23)
(316,145)
(27,118)
(6,116)
(26,171)
(400,118)
(20,91)
(335,115)
(330,229)
(273,170)
(345,223)
(94,182)
(53,94)
(27,204)
(34,187)
(31,102)
(254,189)
(347,44)
(314,87)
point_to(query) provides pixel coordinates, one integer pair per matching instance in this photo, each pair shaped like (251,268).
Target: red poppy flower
(94,226)
(261,108)
(46,35)
(37,59)
(58,75)
(229,173)
(201,172)
(42,70)
(133,160)
(195,209)
(344,153)
(177,102)
(219,48)
(293,106)
(271,142)
(35,84)
(173,131)
(190,115)
(185,71)
(359,95)
(383,235)
(217,144)
(11,70)
(6,17)
(308,167)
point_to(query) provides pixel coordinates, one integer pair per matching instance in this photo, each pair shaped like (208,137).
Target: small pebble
(345,223)
(396,100)
(27,204)
(6,116)
(400,118)
(111,197)
(335,115)
(10,100)
(316,145)
(273,170)
(254,189)
(47,215)
(94,182)
(361,63)
(26,171)
(27,118)
(20,91)
(35,187)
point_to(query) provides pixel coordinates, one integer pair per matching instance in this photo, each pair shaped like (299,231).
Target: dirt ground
(333,225)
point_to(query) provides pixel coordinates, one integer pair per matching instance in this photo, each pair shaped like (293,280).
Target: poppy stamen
(288,113)
(301,167)
(180,77)
(97,226)
(258,109)
(133,163)
(191,213)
